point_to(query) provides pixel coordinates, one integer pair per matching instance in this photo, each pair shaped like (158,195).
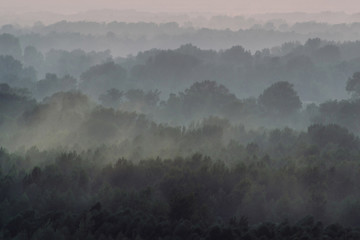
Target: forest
(146,130)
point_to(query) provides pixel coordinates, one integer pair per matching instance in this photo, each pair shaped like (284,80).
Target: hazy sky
(217,6)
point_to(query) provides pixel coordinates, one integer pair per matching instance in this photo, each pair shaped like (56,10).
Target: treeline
(69,195)
(80,120)
(71,118)
(218,32)
(318,69)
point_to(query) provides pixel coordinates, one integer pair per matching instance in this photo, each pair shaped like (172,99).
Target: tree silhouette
(280,98)
(353,85)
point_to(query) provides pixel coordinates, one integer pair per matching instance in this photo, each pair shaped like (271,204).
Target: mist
(227,7)
(181,120)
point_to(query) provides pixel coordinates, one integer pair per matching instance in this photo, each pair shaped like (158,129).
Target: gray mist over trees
(227,127)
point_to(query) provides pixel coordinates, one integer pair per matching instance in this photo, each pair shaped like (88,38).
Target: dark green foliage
(70,196)
(203,99)
(353,85)
(280,98)
(333,134)
(102,77)
(345,113)
(13,73)
(14,101)
(52,84)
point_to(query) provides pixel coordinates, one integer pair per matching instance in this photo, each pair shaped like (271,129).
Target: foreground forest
(178,143)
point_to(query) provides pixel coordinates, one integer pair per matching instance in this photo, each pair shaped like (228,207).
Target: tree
(165,66)
(312,44)
(10,45)
(353,85)
(281,98)
(52,84)
(13,101)
(323,135)
(328,54)
(13,73)
(102,77)
(140,100)
(208,92)
(237,55)
(33,57)
(112,98)
(206,97)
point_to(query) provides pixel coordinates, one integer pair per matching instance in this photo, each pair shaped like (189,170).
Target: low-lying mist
(199,133)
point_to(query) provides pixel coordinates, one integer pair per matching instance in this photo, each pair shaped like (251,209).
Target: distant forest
(160,131)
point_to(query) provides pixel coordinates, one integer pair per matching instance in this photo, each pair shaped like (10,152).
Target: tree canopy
(280,98)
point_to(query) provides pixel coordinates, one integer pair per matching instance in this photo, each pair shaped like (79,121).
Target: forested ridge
(182,142)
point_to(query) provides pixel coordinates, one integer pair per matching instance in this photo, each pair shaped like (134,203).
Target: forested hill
(195,135)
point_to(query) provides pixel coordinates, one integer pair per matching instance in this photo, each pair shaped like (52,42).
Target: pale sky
(215,6)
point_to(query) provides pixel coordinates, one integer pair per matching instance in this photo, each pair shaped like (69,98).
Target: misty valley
(229,128)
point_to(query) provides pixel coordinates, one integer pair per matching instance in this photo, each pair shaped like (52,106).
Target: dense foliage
(180,143)
(69,195)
